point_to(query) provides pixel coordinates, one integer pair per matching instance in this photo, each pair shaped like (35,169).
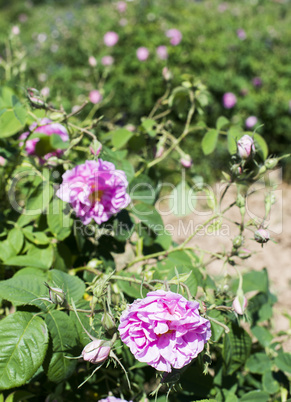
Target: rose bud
(108,322)
(186,161)
(262,236)
(246,147)
(95,148)
(56,295)
(239,304)
(96,351)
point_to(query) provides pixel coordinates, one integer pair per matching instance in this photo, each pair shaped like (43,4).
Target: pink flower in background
(123,22)
(142,53)
(246,146)
(121,6)
(222,7)
(167,74)
(174,35)
(45,91)
(238,307)
(22,17)
(162,52)
(95,96)
(2,161)
(15,30)
(110,38)
(112,399)
(95,190)
(47,127)
(92,61)
(251,121)
(164,330)
(241,34)
(96,351)
(107,60)
(186,161)
(229,100)
(257,82)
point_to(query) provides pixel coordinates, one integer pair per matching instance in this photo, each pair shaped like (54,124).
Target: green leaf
(37,257)
(283,361)
(263,335)
(216,329)
(59,223)
(269,383)
(142,188)
(25,289)
(38,238)
(6,250)
(255,396)
(182,200)
(209,141)
(221,122)
(73,286)
(15,238)
(233,134)
(148,215)
(24,341)
(131,289)
(261,146)
(258,363)
(236,348)
(120,137)
(148,125)
(57,142)
(13,114)
(64,342)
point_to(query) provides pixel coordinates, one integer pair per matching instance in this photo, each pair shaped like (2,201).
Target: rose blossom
(96,351)
(238,307)
(110,38)
(162,52)
(121,6)
(95,189)
(229,100)
(164,330)
(174,35)
(245,146)
(142,53)
(47,127)
(241,34)
(95,96)
(251,121)
(107,60)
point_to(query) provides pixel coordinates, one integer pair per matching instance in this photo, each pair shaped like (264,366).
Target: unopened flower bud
(108,322)
(246,147)
(186,161)
(262,236)
(34,98)
(244,253)
(271,163)
(167,74)
(56,295)
(95,147)
(240,201)
(239,304)
(159,151)
(236,169)
(96,351)
(237,241)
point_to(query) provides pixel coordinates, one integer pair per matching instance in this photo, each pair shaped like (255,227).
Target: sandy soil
(274,256)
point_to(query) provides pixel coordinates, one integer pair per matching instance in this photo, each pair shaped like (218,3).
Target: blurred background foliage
(56,39)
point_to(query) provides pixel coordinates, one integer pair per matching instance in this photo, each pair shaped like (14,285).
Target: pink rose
(121,6)
(174,35)
(186,161)
(164,330)
(92,61)
(142,53)
(229,100)
(107,60)
(95,96)
(262,236)
(162,52)
(95,190)
(110,38)
(251,121)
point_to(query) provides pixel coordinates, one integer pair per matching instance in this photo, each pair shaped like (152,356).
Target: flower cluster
(95,189)
(164,330)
